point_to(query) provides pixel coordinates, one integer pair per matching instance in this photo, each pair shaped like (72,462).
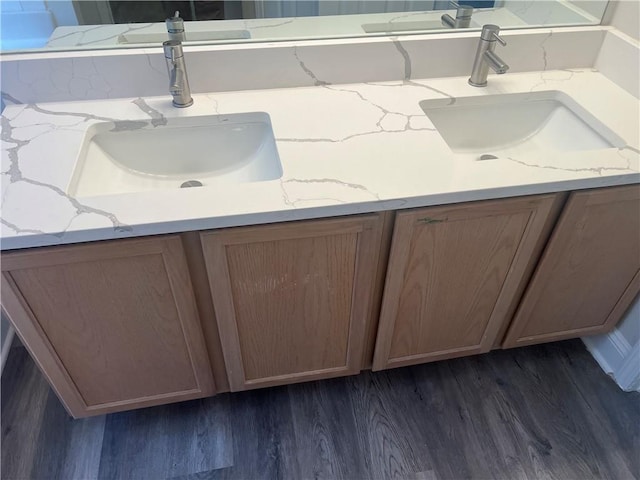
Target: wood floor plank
(24,397)
(439,420)
(85,448)
(391,453)
(428,475)
(325,429)
(133,446)
(501,449)
(519,439)
(167,441)
(572,448)
(217,474)
(67,448)
(207,445)
(548,419)
(264,444)
(612,417)
(467,423)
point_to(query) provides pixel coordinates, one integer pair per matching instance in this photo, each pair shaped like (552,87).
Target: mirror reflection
(49,25)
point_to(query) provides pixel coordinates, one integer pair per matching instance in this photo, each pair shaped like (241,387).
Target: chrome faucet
(463,17)
(485,56)
(178,81)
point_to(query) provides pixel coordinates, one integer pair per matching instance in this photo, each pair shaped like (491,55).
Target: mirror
(62,25)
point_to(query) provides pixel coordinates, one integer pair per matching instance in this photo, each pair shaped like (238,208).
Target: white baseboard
(609,350)
(617,358)
(628,376)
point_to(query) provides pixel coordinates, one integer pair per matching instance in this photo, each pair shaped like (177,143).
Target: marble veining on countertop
(344,149)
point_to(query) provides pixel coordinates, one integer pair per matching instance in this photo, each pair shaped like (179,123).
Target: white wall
(625,16)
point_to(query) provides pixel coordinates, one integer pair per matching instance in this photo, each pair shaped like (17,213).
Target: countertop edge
(311,213)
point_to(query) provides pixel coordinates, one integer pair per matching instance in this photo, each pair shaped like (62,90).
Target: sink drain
(191,183)
(487,156)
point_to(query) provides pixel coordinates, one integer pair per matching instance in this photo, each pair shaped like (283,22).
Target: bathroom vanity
(130,322)
(377,240)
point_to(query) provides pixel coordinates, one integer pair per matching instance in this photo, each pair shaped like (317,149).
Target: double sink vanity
(266,237)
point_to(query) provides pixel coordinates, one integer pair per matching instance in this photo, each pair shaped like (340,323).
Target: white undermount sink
(513,125)
(136,156)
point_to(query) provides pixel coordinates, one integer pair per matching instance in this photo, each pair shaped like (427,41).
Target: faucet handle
(490,34)
(499,39)
(172,50)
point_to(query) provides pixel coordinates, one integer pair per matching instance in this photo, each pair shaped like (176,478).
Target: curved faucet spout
(495,62)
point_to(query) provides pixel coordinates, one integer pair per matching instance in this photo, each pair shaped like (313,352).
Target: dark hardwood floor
(544,412)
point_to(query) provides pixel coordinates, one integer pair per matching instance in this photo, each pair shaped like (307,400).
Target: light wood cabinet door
(292,301)
(113,325)
(589,273)
(455,275)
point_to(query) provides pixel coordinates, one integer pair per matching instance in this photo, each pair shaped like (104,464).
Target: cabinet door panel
(118,318)
(292,301)
(267,276)
(589,273)
(454,275)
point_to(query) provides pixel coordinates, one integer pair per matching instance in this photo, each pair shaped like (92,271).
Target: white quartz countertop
(345,149)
